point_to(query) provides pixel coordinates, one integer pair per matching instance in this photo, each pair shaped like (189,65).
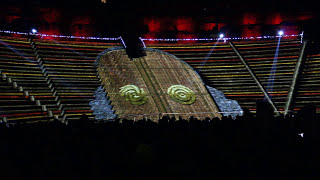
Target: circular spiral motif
(133,94)
(181,94)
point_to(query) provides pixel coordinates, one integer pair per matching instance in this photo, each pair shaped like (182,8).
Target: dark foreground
(245,148)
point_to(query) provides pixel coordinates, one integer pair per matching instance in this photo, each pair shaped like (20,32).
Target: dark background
(93,18)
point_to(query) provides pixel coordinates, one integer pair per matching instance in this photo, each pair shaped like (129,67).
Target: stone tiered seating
(15,106)
(18,62)
(309,85)
(61,74)
(261,58)
(70,67)
(222,69)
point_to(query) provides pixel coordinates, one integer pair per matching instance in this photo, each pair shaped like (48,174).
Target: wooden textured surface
(154,73)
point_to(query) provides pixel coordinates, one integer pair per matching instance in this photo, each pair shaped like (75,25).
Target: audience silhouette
(250,147)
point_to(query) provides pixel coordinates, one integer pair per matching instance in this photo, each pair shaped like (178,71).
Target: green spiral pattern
(134,94)
(181,94)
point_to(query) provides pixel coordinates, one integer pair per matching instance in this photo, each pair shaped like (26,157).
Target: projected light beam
(71,49)
(209,53)
(16,51)
(273,69)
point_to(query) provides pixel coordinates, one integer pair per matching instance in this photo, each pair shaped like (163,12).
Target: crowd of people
(249,147)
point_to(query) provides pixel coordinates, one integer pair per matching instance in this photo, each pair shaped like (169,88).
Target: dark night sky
(172,6)
(125,14)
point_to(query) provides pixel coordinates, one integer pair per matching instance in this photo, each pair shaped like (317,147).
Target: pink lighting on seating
(226,39)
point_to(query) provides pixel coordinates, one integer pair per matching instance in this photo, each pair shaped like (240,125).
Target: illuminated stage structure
(153,85)
(44,79)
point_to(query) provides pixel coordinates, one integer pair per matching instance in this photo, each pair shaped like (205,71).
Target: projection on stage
(157,83)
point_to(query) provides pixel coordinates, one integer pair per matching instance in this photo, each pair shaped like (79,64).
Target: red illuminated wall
(51,15)
(59,21)
(48,21)
(208,26)
(185,24)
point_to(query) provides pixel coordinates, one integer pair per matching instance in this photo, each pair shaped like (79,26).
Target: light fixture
(221,35)
(280,33)
(34,31)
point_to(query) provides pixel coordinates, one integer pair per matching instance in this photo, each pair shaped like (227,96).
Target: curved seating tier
(221,68)
(61,78)
(309,86)
(70,67)
(19,63)
(16,106)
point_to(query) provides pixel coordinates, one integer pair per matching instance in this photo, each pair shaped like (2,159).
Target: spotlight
(34,31)
(280,33)
(221,35)
(301,134)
